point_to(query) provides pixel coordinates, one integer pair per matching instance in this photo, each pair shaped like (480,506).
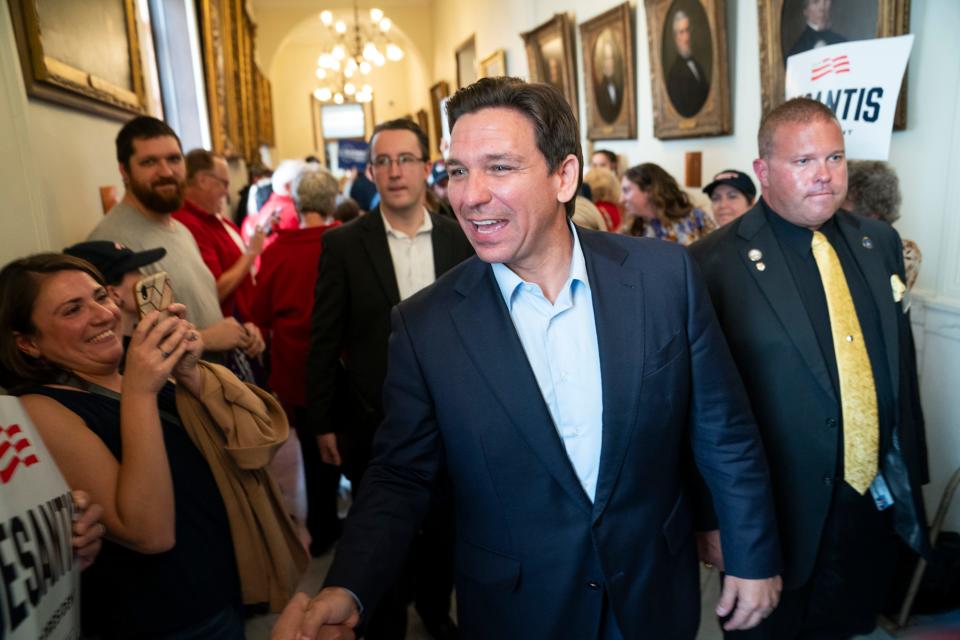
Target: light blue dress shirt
(560,341)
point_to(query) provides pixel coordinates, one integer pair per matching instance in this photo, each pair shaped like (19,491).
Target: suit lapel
(870,259)
(488,334)
(617,294)
(778,286)
(441,248)
(374,240)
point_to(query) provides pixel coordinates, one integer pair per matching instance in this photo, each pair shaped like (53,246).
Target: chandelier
(357,50)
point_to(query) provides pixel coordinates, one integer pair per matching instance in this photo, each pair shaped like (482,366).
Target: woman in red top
(605,193)
(282,306)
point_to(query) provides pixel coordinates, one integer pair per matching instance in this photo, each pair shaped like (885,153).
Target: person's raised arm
(137,494)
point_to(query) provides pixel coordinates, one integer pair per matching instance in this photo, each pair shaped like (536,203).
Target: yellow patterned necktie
(858,394)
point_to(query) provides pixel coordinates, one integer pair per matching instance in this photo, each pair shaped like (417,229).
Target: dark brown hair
(793,111)
(402,124)
(554,125)
(671,201)
(140,128)
(610,156)
(20,283)
(198,160)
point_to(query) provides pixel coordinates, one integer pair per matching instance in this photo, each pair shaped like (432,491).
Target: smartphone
(153,293)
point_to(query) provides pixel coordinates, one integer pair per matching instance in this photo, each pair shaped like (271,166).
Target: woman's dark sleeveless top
(136,595)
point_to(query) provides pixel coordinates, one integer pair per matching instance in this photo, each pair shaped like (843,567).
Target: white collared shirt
(412,257)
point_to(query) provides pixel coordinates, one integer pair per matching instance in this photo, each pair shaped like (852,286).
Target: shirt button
(593,585)
(849,338)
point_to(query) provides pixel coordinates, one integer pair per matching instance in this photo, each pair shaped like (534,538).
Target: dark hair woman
(167,568)
(654,206)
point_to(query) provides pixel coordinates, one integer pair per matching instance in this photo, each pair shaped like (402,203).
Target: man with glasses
(221,247)
(367,267)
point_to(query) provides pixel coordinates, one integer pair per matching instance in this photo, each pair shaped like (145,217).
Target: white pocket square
(896,284)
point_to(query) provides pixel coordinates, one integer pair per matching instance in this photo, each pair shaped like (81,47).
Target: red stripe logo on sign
(14,452)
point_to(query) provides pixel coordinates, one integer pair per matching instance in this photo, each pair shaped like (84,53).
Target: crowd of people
(538,395)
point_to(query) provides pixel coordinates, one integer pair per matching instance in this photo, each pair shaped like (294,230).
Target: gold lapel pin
(755,255)
(867,242)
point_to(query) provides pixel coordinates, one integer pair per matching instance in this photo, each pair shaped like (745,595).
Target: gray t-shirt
(193,284)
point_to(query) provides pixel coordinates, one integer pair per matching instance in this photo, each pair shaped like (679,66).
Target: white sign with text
(860,81)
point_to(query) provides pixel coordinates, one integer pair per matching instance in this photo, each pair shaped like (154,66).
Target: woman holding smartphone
(167,567)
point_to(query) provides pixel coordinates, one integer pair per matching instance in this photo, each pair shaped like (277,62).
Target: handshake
(330,615)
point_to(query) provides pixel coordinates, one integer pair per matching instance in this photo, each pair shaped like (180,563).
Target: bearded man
(152,166)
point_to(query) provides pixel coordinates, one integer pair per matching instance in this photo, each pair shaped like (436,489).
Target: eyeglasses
(224,183)
(404,161)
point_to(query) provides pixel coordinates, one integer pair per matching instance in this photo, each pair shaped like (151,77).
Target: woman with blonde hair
(605,194)
(655,206)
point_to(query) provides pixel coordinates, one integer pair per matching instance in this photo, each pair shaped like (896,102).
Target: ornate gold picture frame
(688,68)
(85,55)
(550,56)
(783,30)
(609,86)
(494,65)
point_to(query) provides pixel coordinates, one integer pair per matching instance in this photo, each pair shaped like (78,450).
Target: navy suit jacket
(534,556)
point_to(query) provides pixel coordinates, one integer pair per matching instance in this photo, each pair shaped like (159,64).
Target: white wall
(926,156)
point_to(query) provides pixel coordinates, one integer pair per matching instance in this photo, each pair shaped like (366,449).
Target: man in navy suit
(564,382)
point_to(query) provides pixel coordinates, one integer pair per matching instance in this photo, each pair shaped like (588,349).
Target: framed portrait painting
(550,56)
(494,65)
(608,75)
(85,55)
(788,27)
(688,68)
(467,62)
(438,93)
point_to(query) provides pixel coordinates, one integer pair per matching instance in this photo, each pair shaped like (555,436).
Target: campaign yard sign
(860,82)
(39,582)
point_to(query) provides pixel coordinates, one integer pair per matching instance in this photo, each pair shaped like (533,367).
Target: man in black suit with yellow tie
(810,298)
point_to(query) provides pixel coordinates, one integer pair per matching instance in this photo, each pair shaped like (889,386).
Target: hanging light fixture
(358,48)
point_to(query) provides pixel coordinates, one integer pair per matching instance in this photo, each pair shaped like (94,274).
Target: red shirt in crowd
(220,250)
(283,304)
(278,212)
(610,213)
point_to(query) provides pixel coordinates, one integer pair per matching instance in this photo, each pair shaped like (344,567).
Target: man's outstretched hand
(750,601)
(330,615)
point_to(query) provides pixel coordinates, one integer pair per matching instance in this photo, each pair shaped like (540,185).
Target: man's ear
(26,344)
(114,293)
(369,171)
(762,171)
(124,173)
(569,174)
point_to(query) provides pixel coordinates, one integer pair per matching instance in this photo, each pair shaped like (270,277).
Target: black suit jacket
(535,558)
(609,109)
(356,288)
(686,91)
(798,412)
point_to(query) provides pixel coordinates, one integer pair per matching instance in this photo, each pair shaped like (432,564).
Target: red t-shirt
(610,213)
(283,305)
(220,252)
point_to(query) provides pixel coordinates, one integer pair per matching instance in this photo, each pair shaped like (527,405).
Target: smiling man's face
(507,200)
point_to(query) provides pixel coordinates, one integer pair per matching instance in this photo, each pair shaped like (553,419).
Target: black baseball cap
(112,259)
(736,179)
